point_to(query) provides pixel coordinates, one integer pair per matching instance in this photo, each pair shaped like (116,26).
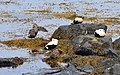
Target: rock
(68,70)
(116,44)
(90,45)
(115,37)
(43,71)
(53,57)
(35,52)
(6,63)
(67,58)
(84,51)
(71,70)
(110,66)
(11,62)
(114,70)
(109,62)
(87,68)
(72,31)
(62,65)
(55,54)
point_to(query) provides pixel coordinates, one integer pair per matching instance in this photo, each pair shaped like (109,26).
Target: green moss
(9,2)
(68,15)
(95,39)
(80,40)
(53,63)
(69,50)
(37,11)
(91,10)
(6,14)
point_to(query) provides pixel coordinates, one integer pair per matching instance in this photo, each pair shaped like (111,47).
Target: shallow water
(33,63)
(16,19)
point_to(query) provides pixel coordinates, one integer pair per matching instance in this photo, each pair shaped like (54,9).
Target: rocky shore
(78,51)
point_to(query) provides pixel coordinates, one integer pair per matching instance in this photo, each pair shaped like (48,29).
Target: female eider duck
(33,32)
(39,28)
(100,33)
(78,20)
(52,44)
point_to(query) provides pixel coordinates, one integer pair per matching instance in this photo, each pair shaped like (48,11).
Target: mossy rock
(105,65)
(98,46)
(72,31)
(116,44)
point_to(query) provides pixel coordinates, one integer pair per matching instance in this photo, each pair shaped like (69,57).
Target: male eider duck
(52,44)
(33,32)
(99,33)
(78,20)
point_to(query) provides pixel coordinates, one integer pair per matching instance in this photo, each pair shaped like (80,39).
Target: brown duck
(33,32)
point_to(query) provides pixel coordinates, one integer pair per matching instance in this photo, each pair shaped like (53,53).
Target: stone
(116,44)
(67,58)
(72,31)
(90,45)
(55,54)
(11,62)
(114,70)
(109,62)
(84,51)
(87,68)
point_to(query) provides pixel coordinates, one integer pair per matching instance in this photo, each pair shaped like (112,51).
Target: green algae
(36,11)
(32,44)
(67,15)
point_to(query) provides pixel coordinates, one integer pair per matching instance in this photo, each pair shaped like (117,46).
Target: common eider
(33,32)
(100,33)
(78,20)
(51,45)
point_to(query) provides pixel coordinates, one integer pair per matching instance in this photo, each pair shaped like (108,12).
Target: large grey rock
(114,70)
(110,66)
(72,31)
(90,45)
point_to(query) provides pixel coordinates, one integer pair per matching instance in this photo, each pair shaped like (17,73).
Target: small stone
(55,54)
(84,51)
